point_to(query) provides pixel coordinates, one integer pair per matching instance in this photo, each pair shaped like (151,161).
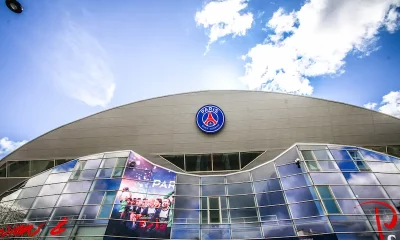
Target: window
(3,171)
(40,166)
(394,150)
(225,161)
(200,162)
(310,160)
(29,192)
(18,168)
(327,178)
(331,206)
(247,157)
(300,194)
(356,156)
(214,210)
(177,160)
(92,164)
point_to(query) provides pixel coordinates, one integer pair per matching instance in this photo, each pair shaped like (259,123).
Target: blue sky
(64,60)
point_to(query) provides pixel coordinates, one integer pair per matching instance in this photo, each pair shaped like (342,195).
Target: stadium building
(209,165)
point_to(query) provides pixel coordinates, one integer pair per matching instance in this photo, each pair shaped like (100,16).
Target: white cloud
(391,104)
(223,18)
(7,146)
(370,105)
(79,66)
(315,40)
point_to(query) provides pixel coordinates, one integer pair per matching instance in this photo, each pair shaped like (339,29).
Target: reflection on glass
(92,164)
(327,178)
(188,189)
(312,225)
(383,167)
(330,204)
(350,224)
(104,173)
(241,201)
(271,198)
(38,166)
(212,180)
(360,178)
(289,169)
(266,171)
(274,213)
(71,199)
(246,233)
(105,211)
(243,215)
(278,229)
(89,212)
(306,209)
(69,212)
(30,192)
(83,175)
(38,214)
(340,155)
(313,166)
(373,156)
(239,188)
(109,197)
(82,186)
(393,191)
(18,168)
(58,178)
(295,181)
(342,192)
(22,204)
(347,165)
(349,206)
(69,166)
(37,180)
(188,203)
(329,166)
(106,184)
(45,202)
(266,186)
(95,197)
(369,192)
(118,172)
(225,161)
(187,179)
(301,194)
(109,162)
(212,190)
(322,154)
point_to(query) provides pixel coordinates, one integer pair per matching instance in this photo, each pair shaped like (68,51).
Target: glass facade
(308,192)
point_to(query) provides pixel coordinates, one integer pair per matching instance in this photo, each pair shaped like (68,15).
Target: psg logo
(210,119)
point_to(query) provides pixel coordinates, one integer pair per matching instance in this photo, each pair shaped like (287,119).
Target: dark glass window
(241,201)
(60,161)
(39,166)
(274,213)
(187,202)
(29,192)
(82,186)
(71,199)
(243,215)
(18,168)
(394,150)
(271,198)
(355,155)
(241,232)
(121,162)
(247,157)
(225,161)
(240,188)
(52,189)
(177,160)
(327,199)
(200,162)
(266,186)
(300,194)
(289,169)
(306,209)
(307,155)
(214,210)
(3,171)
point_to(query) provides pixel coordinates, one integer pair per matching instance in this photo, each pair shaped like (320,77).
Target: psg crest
(210,119)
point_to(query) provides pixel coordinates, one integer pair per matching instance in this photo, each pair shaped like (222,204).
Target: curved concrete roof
(255,120)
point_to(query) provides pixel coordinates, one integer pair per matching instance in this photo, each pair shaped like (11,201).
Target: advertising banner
(144,205)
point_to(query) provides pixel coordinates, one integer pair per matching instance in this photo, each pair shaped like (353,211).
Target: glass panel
(347,165)
(301,194)
(274,213)
(322,154)
(331,206)
(369,192)
(186,216)
(109,198)
(104,173)
(389,179)
(214,212)
(266,171)
(181,178)
(92,164)
(246,233)
(289,169)
(91,231)
(11,196)
(312,225)
(30,192)
(39,214)
(394,150)
(38,166)
(215,233)
(212,180)
(200,162)
(361,178)
(362,166)
(60,161)
(340,155)
(324,192)
(307,155)
(266,186)
(58,178)
(349,206)
(271,198)
(109,162)
(22,204)
(241,188)
(327,178)
(118,172)
(225,161)
(95,198)
(83,175)
(69,212)
(295,181)
(52,189)
(185,232)
(306,209)
(122,154)
(18,168)
(278,229)
(105,211)
(89,212)
(350,224)
(243,215)
(212,190)
(189,190)
(69,166)
(188,203)
(342,192)
(355,155)
(121,163)
(373,156)
(82,186)
(313,166)
(71,199)
(393,191)
(383,167)
(37,180)
(3,171)
(247,157)
(241,201)
(329,166)
(177,160)
(106,184)
(45,202)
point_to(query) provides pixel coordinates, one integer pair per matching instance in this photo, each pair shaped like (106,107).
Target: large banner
(144,203)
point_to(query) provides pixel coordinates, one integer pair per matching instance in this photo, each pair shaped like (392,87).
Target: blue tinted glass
(271,198)
(106,184)
(369,155)
(306,209)
(273,213)
(314,225)
(324,192)
(95,197)
(215,234)
(300,194)
(104,173)
(361,178)
(180,231)
(340,155)
(65,167)
(89,212)
(289,170)
(105,211)
(331,207)
(347,165)
(355,236)
(266,186)
(246,233)
(243,215)
(278,229)
(241,201)
(212,190)
(295,181)
(241,188)
(187,203)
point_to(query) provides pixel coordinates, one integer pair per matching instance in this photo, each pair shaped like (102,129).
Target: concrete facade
(259,121)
